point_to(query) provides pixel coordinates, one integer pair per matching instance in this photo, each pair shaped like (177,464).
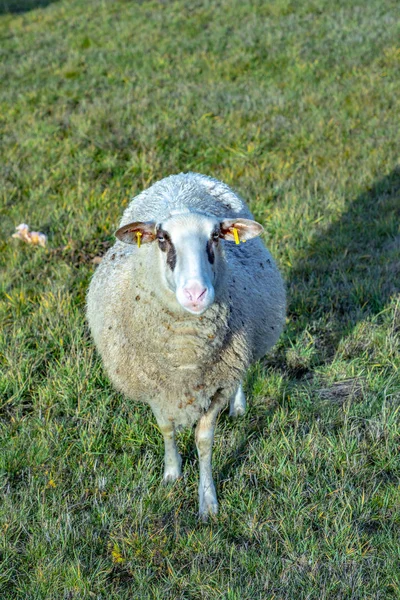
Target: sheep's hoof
(237,412)
(208,503)
(207,510)
(173,472)
(171,477)
(237,406)
(172,468)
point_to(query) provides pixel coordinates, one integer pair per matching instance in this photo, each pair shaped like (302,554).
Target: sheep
(179,311)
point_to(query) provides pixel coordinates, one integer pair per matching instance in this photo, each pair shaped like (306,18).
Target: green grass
(296,105)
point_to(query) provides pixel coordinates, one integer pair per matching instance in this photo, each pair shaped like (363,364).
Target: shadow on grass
(351,270)
(348,273)
(21,6)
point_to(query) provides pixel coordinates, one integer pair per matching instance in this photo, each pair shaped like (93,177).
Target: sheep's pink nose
(195,296)
(195,292)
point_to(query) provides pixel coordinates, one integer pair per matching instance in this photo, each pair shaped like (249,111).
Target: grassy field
(295,104)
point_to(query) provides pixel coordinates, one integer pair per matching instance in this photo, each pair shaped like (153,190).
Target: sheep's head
(190,252)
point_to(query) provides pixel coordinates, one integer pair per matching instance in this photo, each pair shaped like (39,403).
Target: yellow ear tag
(236,235)
(138,235)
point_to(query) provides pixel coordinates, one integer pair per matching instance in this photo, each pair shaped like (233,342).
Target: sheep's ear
(138,232)
(245,228)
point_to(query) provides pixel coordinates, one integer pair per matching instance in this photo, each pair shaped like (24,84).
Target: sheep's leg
(237,406)
(172,458)
(204,441)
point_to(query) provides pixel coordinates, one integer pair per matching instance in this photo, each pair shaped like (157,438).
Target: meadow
(296,105)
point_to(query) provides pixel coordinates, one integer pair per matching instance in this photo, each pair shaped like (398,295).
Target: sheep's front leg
(204,441)
(172,458)
(237,406)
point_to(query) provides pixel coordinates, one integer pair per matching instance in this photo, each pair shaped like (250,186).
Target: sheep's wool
(156,352)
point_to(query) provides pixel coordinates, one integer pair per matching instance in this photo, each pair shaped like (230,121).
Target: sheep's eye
(160,237)
(215,236)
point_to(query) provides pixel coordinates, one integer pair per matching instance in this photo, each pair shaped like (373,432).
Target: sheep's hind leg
(237,406)
(208,503)
(172,458)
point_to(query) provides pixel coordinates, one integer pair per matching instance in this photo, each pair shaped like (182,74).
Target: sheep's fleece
(159,353)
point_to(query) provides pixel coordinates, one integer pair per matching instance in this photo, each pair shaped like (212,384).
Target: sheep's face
(189,248)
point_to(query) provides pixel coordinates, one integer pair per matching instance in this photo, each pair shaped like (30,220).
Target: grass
(296,105)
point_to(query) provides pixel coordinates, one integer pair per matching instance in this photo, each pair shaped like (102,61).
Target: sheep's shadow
(22,6)
(349,272)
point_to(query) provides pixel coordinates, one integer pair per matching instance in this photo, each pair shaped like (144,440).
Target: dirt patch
(341,391)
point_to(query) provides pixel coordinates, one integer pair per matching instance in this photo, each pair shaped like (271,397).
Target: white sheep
(179,311)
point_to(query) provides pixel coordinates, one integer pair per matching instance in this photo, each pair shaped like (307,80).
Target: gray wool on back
(158,353)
